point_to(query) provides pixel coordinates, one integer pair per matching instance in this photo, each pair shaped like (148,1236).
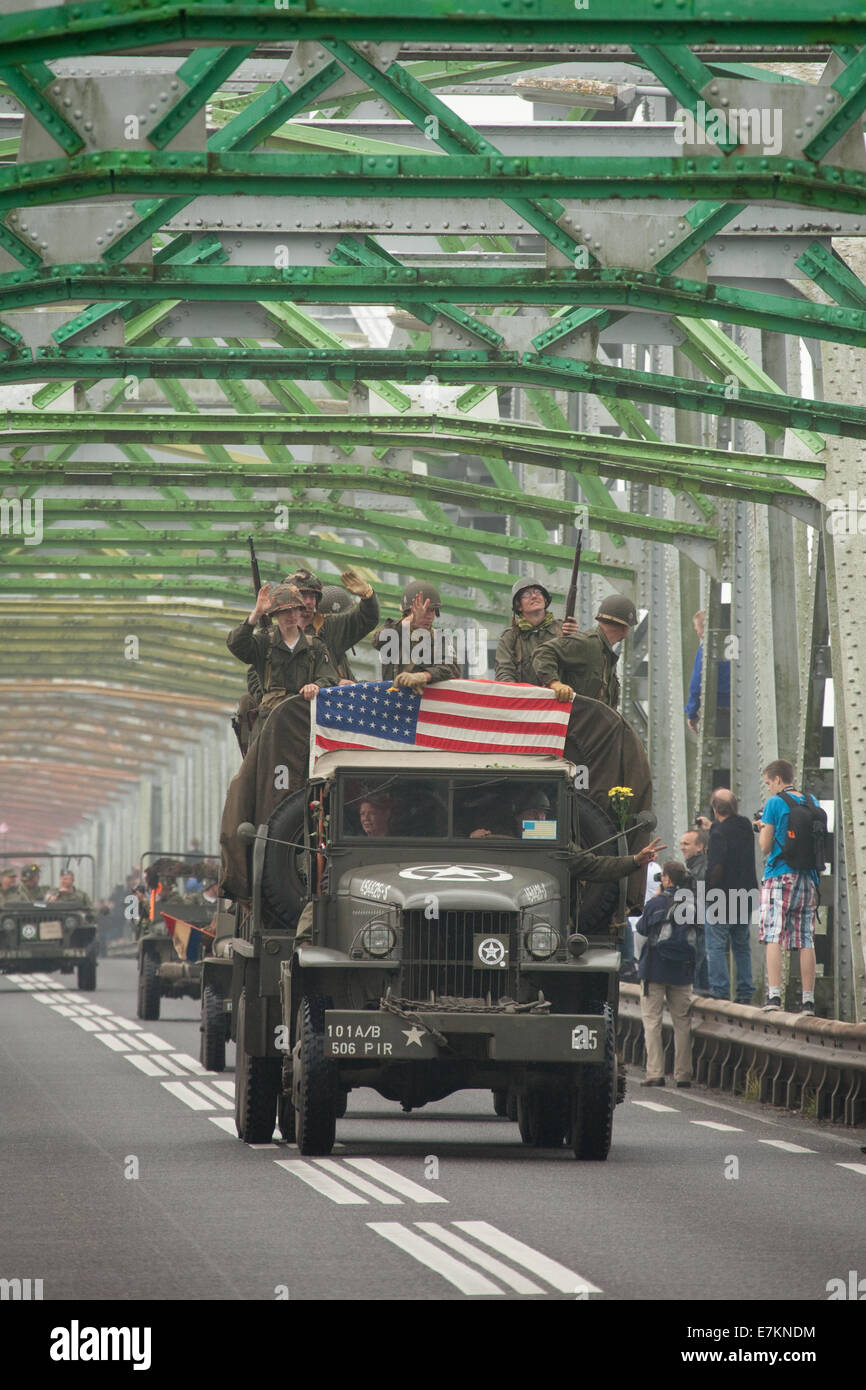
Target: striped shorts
(788,907)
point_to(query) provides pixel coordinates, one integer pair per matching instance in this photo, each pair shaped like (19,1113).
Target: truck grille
(438,955)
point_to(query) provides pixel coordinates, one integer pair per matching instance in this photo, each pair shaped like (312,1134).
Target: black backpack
(674,938)
(804,846)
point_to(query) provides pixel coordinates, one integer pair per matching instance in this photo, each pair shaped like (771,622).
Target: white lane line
(132,1040)
(111,1040)
(25,984)
(854,1167)
(189,1063)
(518,1282)
(154,1041)
(227,1086)
(565,1280)
(654,1105)
(404,1186)
(47,998)
(343,1196)
(462,1276)
(330,1165)
(172,1066)
(129,1025)
(225,1122)
(786,1147)
(145,1064)
(714,1124)
(63,1009)
(218,1101)
(88,1024)
(272,1143)
(98,1010)
(190,1098)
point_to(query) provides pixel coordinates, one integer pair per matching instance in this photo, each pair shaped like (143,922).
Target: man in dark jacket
(732,892)
(693,847)
(665,980)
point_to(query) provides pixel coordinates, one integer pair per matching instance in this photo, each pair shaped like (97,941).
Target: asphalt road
(124,1179)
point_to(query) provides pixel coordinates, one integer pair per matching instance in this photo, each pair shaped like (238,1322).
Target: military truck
(50,936)
(164,970)
(452,946)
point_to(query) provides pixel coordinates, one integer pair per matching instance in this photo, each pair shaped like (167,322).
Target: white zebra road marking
(565,1280)
(518,1282)
(404,1186)
(461,1275)
(322,1182)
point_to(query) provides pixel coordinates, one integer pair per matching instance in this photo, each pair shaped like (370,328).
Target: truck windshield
(466,807)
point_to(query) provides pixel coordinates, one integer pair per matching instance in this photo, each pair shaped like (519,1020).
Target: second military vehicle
(50,936)
(167,966)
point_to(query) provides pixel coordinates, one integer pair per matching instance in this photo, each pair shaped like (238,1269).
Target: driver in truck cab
(592,868)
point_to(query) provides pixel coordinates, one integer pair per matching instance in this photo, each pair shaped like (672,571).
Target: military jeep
(49,936)
(451,946)
(164,970)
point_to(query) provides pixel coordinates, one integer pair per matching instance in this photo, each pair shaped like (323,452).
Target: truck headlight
(541,940)
(378,939)
(8,924)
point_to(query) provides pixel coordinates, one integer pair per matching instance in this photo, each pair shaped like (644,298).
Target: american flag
(472,716)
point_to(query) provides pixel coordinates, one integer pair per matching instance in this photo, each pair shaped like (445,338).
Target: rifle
(571,599)
(257,581)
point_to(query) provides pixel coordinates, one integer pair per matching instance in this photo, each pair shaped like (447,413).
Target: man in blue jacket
(666,980)
(723,688)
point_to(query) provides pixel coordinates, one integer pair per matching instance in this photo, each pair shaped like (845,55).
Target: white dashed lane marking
(404,1186)
(145,1064)
(714,1124)
(474,1243)
(338,1193)
(654,1105)
(786,1147)
(565,1280)
(854,1168)
(188,1096)
(349,1182)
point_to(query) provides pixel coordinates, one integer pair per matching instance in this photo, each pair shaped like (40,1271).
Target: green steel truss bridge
(414,293)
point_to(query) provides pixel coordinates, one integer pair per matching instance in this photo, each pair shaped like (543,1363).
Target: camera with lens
(756,817)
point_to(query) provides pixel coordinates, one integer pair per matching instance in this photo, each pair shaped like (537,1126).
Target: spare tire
(284,882)
(598,901)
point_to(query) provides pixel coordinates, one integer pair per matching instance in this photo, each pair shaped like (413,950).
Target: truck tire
(257,1087)
(87,973)
(148,987)
(543,1117)
(593,1104)
(316,1084)
(598,901)
(284,887)
(287,1117)
(500,1104)
(213,1030)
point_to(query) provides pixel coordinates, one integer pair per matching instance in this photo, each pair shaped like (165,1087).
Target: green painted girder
(422,286)
(850,86)
(203,73)
(22,427)
(765,179)
(455,366)
(833,275)
(108,26)
(27,85)
(684,75)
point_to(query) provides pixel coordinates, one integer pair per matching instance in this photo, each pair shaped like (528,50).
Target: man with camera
(693,846)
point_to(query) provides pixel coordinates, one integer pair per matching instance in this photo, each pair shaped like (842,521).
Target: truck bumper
(365,1035)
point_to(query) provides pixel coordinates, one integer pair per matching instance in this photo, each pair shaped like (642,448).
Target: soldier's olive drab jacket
(518,645)
(601,868)
(281,671)
(37,894)
(586,662)
(14,895)
(339,631)
(73,897)
(389,638)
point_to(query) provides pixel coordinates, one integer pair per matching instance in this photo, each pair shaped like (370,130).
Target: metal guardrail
(814,1065)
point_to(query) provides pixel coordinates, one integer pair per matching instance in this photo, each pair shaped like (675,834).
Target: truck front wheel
(148,987)
(315,1080)
(213,1030)
(257,1086)
(593,1104)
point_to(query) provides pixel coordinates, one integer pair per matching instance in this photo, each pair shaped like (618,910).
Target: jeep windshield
(448,808)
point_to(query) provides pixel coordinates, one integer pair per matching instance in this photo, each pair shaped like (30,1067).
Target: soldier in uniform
(10,889)
(68,893)
(415,635)
(531,625)
(286,660)
(586,664)
(338,626)
(31,885)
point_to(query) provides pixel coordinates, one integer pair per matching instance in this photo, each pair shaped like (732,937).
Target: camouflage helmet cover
(425,590)
(30,871)
(335,600)
(305,579)
(518,587)
(616,608)
(285,596)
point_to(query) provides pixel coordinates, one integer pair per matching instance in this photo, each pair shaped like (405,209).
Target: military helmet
(285,596)
(616,608)
(531,800)
(518,587)
(30,871)
(335,600)
(420,587)
(305,579)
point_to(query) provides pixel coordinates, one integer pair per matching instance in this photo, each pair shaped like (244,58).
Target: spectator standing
(693,846)
(789,897)
(723,687)
(666,979)
(731,869)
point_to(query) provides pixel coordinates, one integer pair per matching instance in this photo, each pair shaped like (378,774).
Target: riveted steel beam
(179,175)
